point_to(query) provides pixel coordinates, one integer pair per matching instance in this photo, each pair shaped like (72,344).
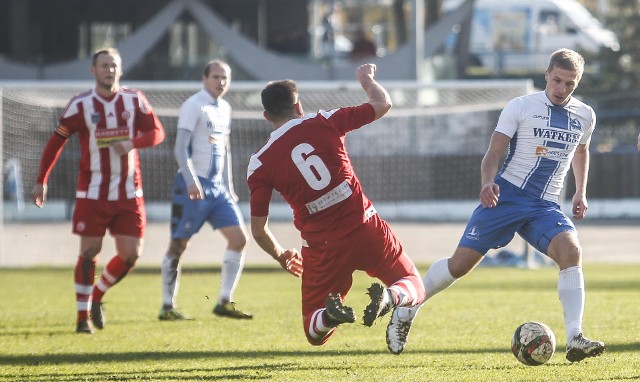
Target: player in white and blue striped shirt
(200,195)
(545,133)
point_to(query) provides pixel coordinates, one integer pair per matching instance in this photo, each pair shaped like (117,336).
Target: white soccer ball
(533,343)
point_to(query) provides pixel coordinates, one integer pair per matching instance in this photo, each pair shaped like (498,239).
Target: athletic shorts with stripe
(536,220)
(188,216)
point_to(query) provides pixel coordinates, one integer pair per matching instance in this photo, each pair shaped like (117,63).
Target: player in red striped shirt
(111,122)
(306,161)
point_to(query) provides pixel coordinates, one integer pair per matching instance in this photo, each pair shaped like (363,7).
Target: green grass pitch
(463,334)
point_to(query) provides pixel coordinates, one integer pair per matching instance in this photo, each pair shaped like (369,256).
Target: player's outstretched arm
(378,96)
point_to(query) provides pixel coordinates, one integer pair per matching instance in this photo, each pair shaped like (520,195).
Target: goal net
(425,152)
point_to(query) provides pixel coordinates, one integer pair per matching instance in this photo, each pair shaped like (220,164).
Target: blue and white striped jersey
(544,138)
(208,121)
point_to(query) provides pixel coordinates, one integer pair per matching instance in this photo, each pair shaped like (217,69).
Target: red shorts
(329,267)
(122,217)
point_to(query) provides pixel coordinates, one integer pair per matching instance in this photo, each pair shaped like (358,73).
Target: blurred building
(43,33)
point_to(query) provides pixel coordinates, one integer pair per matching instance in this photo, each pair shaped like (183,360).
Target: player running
(545,133)
(306,161)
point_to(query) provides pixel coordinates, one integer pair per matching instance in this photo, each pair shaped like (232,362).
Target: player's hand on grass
(39,194)
(291,261)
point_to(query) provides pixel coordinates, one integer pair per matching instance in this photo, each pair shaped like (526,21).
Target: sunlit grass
(461,335)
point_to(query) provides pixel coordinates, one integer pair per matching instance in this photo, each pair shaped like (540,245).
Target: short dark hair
(111,51)
(279,98)
(207,68)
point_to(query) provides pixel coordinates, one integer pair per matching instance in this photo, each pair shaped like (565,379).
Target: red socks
(115,270)
(84,274)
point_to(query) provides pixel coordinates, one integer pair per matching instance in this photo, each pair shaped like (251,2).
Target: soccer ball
(533,343)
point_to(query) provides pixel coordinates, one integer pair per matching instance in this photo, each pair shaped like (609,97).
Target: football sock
(571,293)
(84,273)
(170,272)
(407,291)
(115,270)
(437,279)
(232,264)
(317,330)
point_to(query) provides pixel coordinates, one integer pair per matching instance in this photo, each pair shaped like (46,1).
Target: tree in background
(612,84)
(619,71)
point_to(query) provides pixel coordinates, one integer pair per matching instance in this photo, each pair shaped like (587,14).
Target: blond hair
(567,59)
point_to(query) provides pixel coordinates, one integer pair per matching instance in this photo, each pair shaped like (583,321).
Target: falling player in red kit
(112,122)
(306,161)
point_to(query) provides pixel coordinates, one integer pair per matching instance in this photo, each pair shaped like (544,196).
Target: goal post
(2,238)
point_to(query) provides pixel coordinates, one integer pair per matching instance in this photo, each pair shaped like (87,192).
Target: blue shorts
(188,216)
(536,220)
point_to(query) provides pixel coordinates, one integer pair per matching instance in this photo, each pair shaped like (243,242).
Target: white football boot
(580,348)
(398,331)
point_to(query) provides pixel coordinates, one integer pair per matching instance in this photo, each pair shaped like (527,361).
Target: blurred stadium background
(418,164)
(421,162)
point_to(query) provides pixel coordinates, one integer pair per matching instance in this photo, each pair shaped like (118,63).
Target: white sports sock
(571,294)
(437,279)
(232,264)
(170,271)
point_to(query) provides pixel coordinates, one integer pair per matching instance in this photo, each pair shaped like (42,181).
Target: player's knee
(90,252)
(130,258)
(236,239)
(461,263)
(570,258)
(238,244)
(176,248)
(565,250)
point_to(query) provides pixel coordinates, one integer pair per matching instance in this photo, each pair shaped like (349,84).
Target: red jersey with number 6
(306,161)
